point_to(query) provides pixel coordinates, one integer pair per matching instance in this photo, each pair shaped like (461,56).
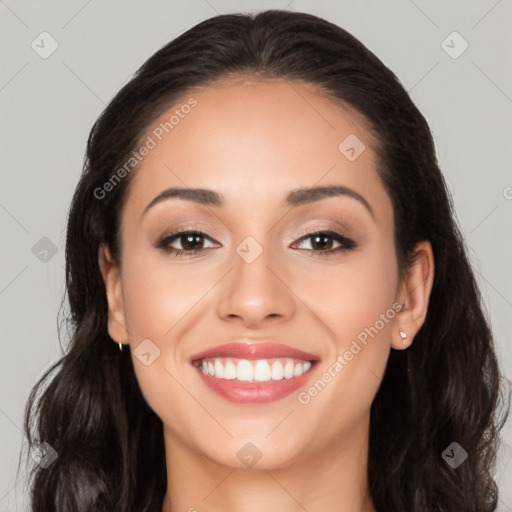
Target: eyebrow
(296,197)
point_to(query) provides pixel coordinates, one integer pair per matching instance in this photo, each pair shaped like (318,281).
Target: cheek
(159,300)
(359,312)
(369,293)
(352,296)
(157,295)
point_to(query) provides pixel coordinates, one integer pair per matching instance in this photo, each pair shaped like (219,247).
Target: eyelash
(347,243)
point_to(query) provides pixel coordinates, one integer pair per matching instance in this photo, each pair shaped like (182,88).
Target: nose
(255,293)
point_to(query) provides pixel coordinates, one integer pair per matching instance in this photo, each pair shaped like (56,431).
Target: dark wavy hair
(88,406)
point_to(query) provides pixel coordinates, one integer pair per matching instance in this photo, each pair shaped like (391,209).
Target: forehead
(258,139)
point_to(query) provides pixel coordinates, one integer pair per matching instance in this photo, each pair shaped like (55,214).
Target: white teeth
(230,370)
(219,369)
(277,370)
(244,370)
(261,370)
(288,370)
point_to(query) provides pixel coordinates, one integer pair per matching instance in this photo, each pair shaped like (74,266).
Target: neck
(334,479)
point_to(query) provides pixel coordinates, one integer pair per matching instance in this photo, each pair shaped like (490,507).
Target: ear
(114,289)
(414,295)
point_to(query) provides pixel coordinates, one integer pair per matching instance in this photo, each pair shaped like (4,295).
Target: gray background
(49,105)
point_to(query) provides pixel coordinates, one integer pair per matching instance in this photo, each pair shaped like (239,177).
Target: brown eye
(190,242)
(322,242)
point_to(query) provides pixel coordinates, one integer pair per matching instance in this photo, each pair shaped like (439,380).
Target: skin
(254,142)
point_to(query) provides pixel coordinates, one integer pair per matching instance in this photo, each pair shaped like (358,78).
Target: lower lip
(255,392)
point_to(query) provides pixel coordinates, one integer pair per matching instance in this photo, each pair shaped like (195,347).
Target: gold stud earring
(120,346)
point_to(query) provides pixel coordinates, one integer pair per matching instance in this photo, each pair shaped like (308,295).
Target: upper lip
(249,349)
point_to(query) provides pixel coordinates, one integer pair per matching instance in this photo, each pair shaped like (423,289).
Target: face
(291,282)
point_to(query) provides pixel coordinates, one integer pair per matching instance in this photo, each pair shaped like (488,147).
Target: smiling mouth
(253,371)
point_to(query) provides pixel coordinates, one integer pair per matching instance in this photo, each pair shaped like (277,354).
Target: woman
(263,229)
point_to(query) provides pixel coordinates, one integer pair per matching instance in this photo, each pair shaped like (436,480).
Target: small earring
(404,337)
(120,346)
